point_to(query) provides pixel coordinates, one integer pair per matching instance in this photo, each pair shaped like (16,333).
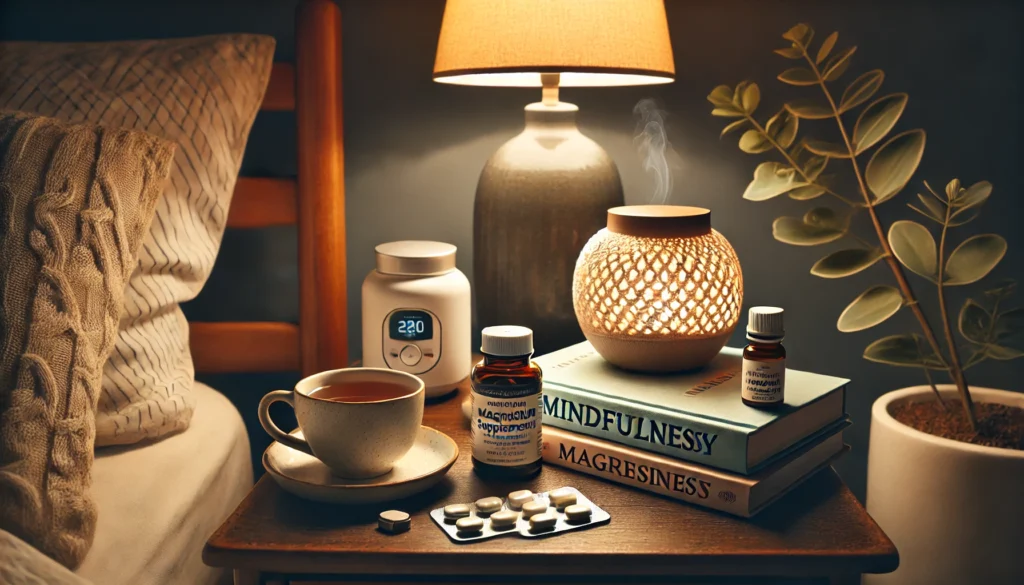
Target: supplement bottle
(764,359)
(506,405)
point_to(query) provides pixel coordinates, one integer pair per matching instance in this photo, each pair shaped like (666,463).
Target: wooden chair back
(315,200)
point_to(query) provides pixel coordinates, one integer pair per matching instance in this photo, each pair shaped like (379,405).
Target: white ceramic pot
(954,510)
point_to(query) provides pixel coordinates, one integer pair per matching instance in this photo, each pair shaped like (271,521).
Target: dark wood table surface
(818,532)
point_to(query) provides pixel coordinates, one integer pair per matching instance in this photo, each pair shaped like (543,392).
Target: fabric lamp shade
(588,42)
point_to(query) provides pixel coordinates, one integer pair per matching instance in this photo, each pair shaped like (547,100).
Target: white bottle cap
(765,324)
(506,340)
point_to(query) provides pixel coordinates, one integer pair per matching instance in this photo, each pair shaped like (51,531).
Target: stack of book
(689,436)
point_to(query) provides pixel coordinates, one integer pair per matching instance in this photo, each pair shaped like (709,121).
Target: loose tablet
(577,513)
(469,524)
(504,519)
(534,508)
(517,499)
(562,497)
(393,521)
(489,505)
(543,521)
(455,511)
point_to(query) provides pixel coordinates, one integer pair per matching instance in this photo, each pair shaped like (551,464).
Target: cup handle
(272,429)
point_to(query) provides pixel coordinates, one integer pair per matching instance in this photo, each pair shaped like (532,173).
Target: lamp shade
(588,42)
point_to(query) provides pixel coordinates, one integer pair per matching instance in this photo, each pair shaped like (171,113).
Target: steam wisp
(651,143)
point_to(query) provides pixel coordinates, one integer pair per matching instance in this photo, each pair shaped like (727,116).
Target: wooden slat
(280,94)
(322,285)
(260,202)
(230,347)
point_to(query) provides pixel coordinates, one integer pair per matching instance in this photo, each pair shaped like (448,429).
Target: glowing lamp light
(658,290)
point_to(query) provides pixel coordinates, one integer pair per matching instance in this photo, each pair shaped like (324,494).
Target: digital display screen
(411,325)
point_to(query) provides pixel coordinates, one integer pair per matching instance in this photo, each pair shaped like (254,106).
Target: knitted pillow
(202,93)
(75,204)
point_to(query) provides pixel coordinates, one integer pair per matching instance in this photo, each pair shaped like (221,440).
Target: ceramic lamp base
(659,355)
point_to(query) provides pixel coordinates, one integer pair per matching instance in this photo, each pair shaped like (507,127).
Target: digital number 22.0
(410,327)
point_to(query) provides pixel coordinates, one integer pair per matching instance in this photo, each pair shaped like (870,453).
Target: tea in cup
(357,421)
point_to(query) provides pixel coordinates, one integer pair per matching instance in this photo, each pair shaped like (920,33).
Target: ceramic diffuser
(658,290)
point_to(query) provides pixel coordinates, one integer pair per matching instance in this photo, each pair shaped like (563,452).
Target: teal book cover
(695,416)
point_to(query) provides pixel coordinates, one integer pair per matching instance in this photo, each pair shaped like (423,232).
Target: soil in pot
(999,425)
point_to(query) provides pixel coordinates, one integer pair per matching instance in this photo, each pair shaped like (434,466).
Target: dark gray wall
(414,148)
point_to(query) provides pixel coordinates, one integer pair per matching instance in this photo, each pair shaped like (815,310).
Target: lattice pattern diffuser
(657,288)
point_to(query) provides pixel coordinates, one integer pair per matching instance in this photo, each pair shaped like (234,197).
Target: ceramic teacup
(356,439)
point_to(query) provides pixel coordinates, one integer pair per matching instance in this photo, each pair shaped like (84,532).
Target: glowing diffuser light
(658,290)
(545,191)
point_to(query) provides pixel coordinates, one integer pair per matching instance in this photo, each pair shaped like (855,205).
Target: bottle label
(506,430)
(764,381)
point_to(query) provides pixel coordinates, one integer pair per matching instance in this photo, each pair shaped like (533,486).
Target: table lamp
(546,191)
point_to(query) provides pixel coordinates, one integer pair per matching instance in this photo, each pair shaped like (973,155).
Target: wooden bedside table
(818,533)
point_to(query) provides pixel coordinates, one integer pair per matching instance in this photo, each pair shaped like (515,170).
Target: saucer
(424,465)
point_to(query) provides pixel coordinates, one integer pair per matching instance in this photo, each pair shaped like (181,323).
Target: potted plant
(945,463)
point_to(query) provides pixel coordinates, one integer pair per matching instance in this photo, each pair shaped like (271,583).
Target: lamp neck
(549,88)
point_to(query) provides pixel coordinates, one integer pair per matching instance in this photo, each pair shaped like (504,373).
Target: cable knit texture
(75,203)
(203,93)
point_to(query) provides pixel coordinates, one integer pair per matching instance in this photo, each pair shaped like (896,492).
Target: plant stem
(757,126)
(928,376)
(890,258)
(957,370)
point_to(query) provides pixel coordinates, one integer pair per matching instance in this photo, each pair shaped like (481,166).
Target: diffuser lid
(415,258)
(659,221)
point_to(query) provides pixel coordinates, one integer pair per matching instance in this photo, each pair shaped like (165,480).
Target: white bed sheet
(159,502)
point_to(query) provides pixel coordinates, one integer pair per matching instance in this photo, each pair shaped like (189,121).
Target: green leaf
(931,209)
(975,323)
(838,64)
(915,248)
(974,195)
(790,52)
(729,112)
(751,98)
(873,306)
(798,76)
(754,142)
(1002,353)
(733,126)
(861,90)
(800,34)
(807,193)
(782,127)
(974,258)
(771,179)
(952,189)
(721,96)
(892,165)
(809,110)
(877,120)
(903,350)
(818,226)
(1008,324)
(814,166)
(1003,291)
(829,149)
(846,262)
(964,216)
(826,47)
(737,94)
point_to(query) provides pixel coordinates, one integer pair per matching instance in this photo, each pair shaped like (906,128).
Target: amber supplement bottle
(764,359)
(506,405)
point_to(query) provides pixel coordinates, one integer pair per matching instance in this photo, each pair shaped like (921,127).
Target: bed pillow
(75,204)
(202,93)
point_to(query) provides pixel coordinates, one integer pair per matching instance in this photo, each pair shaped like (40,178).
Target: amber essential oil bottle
(506,409)
(764,359)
